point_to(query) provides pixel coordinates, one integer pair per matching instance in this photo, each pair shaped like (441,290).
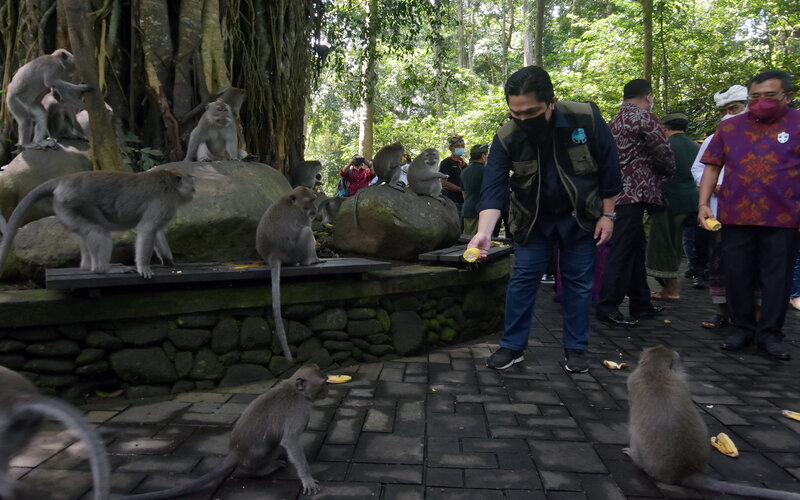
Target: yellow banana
(338,379)
(724,444)
(612,365)
(791,414)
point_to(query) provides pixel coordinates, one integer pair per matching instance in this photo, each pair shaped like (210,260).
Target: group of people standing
(579,183)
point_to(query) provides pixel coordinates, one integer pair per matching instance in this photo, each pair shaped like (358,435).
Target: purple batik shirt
(762,170)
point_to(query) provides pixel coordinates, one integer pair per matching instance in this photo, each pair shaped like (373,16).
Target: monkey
(91,204)
(3,224)
(424,176)
(27,88)
(387,163)
(22,409)
(215,136)
(284,237)
(668,438)
(274,420)
(330,210)
(306,173)
(62,122)
(82,117)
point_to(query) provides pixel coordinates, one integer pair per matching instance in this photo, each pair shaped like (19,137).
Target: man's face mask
(537,128)
(459,151)
(765,109)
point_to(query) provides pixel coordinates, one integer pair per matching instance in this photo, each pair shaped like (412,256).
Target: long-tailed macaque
(273,421)
(306,173)
(284,237)
(329,208)
(668,438)
(27,88)
(82,117)
(424,177)
(62,121)
(215,136)
(22,409)
(92,204)
(387,163)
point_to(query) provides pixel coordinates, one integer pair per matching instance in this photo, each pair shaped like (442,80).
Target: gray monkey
(82,117)
(27,88)
(306,173)
(330,210)
(21,411)
(62,121)
(387,163)
(273,421)
(424,176)
(91,204)
(284,237)
(215,136)
(668,438)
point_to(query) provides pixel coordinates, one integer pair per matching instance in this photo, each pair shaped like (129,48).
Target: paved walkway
(443,426)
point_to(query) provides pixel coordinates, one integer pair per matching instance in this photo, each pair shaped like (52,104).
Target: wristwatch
(612,216)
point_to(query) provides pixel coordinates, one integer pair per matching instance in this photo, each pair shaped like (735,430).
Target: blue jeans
(796,279)
(577,259)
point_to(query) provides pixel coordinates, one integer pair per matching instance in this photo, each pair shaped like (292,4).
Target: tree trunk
(538,48)
(527,36)
(436,36)
(190,30)
(213,49)
(367,111)
(460,16)
(507,34)
(664,61)
(471,54)
(102,141)
(647,29)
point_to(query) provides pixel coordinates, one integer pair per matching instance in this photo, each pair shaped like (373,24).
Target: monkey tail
(704,482)
(275,276)
(74,420)
(214,476)
(41,191)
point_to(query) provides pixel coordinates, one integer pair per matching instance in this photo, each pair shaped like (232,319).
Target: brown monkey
(284,237)
(274,420)
(424,176)
(91,204)
(215,137)
(22,409)
(29,85)
(668,438)
(62,121)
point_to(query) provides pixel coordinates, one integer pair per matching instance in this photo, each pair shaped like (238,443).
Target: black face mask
(537,128)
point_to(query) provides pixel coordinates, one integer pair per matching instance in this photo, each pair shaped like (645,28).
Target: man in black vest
(563,188)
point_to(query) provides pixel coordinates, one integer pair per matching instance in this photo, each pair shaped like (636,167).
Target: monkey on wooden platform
(22,409)
(272,423)
(668,438)
(92,204)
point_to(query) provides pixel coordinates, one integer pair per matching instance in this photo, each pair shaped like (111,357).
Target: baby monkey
(273,422)
(668,438)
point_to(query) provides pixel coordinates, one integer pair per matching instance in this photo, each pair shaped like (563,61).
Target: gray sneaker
(575,361)
(503,358)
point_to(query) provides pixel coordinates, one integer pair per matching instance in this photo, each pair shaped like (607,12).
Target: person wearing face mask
(452,166)
(646,161)
(759,208)
(730,102)
(565,178)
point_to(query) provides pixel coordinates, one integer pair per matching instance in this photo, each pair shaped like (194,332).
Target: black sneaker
(548,279)
(504,358)
(575,361)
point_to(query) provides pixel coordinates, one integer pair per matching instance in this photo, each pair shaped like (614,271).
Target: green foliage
(135,156)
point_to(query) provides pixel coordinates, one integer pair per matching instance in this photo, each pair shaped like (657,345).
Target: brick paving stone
(452,478)
(385,473)
(400,390)
(150,413)
(382,448)
(462,494)
(566,456)
(456,425)
(403,492)
(463,460)
(378,420)
(502,479)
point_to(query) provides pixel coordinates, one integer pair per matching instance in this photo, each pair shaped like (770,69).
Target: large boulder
(34,166)
(218,225)
(395,224)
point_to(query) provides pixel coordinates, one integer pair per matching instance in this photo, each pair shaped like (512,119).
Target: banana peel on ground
(723,443)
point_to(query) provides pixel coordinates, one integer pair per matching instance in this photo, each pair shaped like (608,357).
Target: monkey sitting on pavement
(668,438)
(27,88)
(284,237)
(273,421)
(91,204)
(424,177)
(21,411)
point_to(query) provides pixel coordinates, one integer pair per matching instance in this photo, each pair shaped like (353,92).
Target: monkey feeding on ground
(215,136)
(22,409)
(284,237)
(274,420)
(62,121)
(424,177)
(27,88)
(668,438)
(330,209)
(306,173)
(91,204)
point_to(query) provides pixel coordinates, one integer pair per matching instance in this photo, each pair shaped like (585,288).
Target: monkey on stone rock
(215,136)
(82,117)
(22,409)
(424,176)
(306,173)
(284,237)
(27,88)
(387,163)
(329,208)
(91,204)
(668,438)
(273,421)
(62,121)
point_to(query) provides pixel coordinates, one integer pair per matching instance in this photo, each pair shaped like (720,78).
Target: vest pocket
(593,208)
(581,159)
(519,217)
(525,168)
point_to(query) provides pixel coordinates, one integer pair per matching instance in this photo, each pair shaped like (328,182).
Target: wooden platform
(452,256)
(119,275)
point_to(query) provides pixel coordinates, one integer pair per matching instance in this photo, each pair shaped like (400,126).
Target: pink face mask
(765,110)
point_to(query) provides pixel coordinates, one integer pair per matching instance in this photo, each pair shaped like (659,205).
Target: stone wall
(154,342)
